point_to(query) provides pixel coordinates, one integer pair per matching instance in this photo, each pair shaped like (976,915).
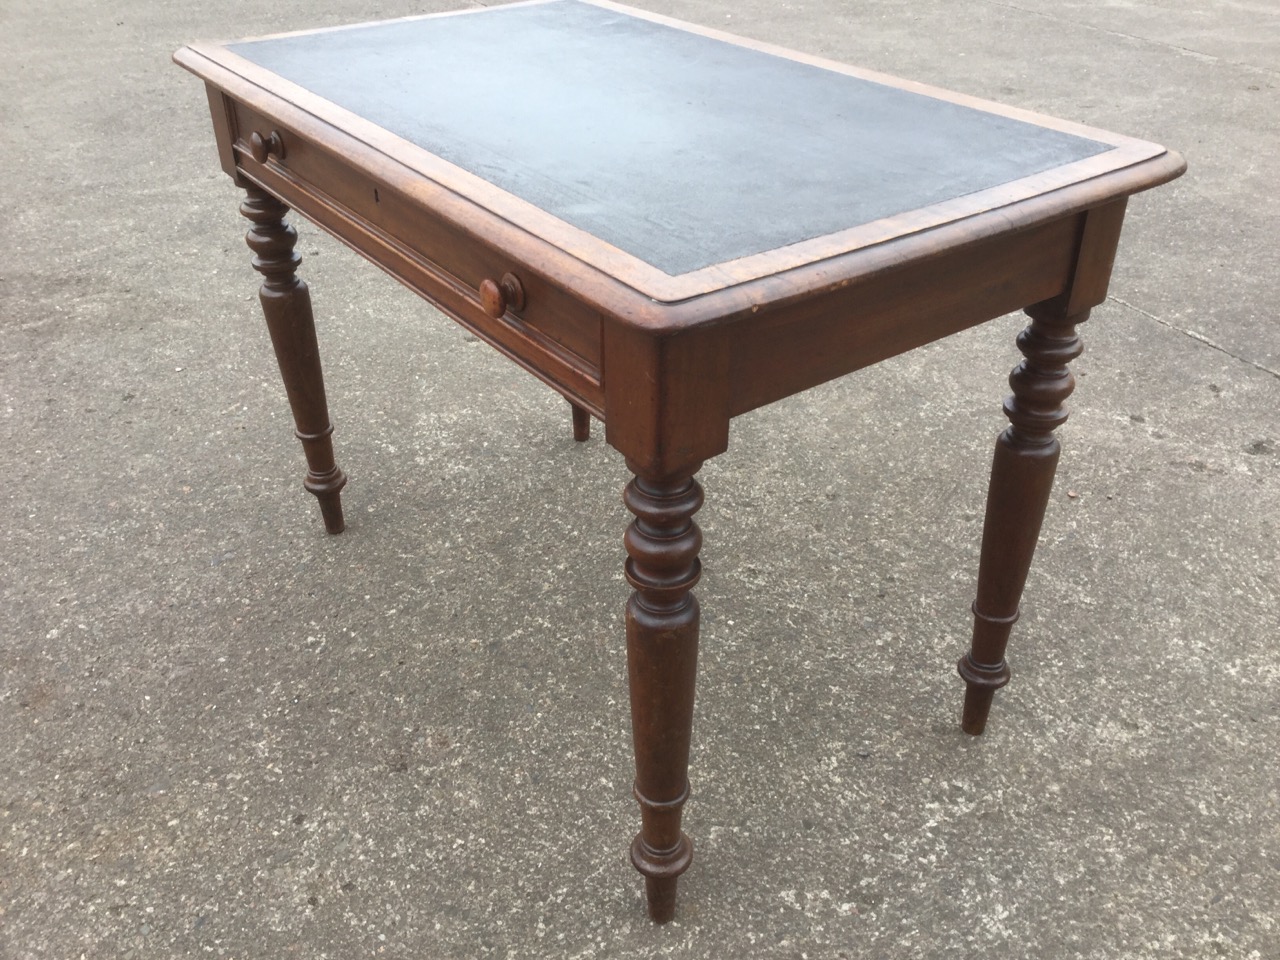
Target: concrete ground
(225,734)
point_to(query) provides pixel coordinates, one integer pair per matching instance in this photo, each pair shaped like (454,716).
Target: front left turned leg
(662,658)
(286,304)
(1022,472)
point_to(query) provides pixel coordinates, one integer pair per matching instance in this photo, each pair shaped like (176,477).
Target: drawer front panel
(553,334)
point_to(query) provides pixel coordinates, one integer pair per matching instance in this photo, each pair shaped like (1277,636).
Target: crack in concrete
(1133,36)
(1194,335)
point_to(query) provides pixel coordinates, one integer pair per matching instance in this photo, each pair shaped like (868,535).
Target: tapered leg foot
(581,423)
(662,660)
(326,488)
(981,684)
(661,870)
(661,896)
(286,304)
(1022,472)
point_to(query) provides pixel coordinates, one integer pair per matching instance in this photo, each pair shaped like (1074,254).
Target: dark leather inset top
(680,149)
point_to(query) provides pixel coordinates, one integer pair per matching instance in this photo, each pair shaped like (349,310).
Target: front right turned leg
(1022,472)
(662,660)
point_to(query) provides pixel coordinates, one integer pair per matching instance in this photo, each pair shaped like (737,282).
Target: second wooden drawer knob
(497,297)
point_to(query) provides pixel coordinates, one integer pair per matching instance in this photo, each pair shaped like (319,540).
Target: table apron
(784,348)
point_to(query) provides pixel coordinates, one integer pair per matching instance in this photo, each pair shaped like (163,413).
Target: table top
(676,160)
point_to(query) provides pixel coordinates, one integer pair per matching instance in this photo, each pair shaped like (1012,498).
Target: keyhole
(376,199)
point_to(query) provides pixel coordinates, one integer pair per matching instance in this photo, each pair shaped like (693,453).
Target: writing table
(671,227)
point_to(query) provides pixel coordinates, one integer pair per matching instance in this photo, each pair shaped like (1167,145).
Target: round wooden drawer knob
(262,147)
(496,298)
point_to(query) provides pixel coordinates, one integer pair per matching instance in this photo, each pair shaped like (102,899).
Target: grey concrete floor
(225,734)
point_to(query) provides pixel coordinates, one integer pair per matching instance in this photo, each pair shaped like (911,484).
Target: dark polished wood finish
(662,662)
(581,423)
(666,360)
(1021,478)
(286,303)
(1026,456)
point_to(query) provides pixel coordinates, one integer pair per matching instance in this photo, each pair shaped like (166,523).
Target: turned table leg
(286,303)
(1021,479)
(581,423)
(662,657)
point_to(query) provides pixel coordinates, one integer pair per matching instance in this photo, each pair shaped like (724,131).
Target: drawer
(544,328)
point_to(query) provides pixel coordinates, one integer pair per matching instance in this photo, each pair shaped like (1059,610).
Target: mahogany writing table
(671,227)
